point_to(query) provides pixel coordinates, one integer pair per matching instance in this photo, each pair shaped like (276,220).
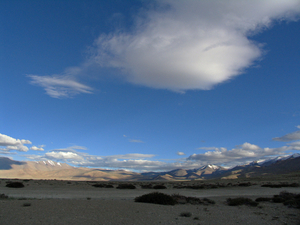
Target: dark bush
(244,184)
(15,185)
(27,204)
(146,186)
(3,196)
(190,187)
(191,200)
(159,186)
(277,199)
(103,185)
(241,201)
(288,199)
(186,214)
(156,198)
(262,199)
(126,186)
(196,187)
(281,185)
(209,201)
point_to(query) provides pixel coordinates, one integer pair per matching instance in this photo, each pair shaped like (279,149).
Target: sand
(57,202)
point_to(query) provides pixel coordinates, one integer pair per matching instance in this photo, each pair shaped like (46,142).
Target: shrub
(209,201)
(186,214)
(126,186)
(280,185)
(159,186)
(146,186)
(27,204)
(241,201)
(288,199)
(156,198)
(103,185)
(191,200)
(262,199)
(3,196)
(15,185)
(277,199)
(244,184)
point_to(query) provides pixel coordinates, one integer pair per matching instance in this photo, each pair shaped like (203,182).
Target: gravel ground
(68,211)
(45,202)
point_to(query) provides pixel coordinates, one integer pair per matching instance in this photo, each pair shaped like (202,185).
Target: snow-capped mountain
(49,169)
(277,159)
(210,166)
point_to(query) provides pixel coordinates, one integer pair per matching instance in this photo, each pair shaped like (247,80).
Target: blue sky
(149,85)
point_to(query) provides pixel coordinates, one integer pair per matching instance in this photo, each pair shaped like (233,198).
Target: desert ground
(79,202)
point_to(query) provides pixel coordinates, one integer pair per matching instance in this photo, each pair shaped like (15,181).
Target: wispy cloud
(180,153)
(60,86)
(135,141)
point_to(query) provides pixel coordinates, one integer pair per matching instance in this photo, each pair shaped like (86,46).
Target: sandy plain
(78,202)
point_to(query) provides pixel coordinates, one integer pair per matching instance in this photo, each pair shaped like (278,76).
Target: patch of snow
(51,163)
(213,167)
(210,166)
(58,164)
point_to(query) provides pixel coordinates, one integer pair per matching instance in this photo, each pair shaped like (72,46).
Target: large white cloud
(191,44)
(179,45)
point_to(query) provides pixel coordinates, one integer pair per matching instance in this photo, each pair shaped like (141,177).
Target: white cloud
(13,144)
(179,45)
(241,154)
(132,156)
(62,155)
(60,86)
(295,145)
(180,153)
(134,161)
(289,137)
(135,141)
(77,147)
(34,148)
(191,44)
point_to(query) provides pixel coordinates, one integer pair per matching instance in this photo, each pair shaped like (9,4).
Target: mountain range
(62,171)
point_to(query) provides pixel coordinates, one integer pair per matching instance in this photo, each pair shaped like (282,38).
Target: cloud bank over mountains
(241,154)
(179,45)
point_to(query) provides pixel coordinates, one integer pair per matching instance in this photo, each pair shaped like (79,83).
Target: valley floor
(72,202)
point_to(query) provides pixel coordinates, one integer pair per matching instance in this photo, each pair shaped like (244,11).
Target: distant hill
(62,171)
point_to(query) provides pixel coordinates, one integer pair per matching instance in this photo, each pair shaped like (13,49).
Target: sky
(148,85)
